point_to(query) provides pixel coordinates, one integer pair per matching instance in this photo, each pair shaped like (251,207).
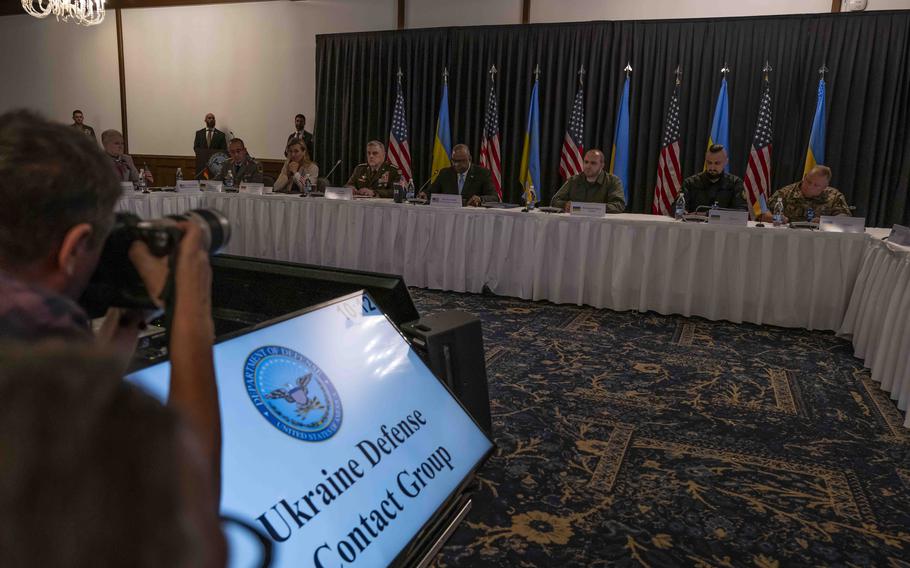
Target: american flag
(490,156)
(399,152)
(758,172)
(573,146)
(669,174)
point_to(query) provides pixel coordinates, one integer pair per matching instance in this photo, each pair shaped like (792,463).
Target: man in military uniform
(812,193)
(593,185)
(714,185)
(463,178)
(375,178)
(242,166)
(79,125)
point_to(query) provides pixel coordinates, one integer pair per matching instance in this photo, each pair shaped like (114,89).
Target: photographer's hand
(193,390)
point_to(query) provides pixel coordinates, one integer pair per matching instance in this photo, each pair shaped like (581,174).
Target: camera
(116,281)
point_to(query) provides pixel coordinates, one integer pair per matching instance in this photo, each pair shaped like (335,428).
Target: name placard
(588,209)
(728,217)
(211,185)
(187,185)
(251,188)
(127,186)
(900,235)
(842,224)
(342,193)
(445,200)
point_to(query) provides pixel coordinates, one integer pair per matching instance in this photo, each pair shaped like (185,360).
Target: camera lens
(216,229)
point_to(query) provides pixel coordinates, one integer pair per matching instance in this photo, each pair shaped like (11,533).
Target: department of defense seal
(292,393)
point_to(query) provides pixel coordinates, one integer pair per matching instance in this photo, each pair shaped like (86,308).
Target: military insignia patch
(292,393)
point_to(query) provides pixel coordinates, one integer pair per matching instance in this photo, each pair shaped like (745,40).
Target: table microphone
(326,176)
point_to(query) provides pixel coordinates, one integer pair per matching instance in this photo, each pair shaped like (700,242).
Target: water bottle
(141,184)
(680,207)
(529,198)
(778,215)
(228,178)
(307,185)
(410,194)
(810,214)
(179,176)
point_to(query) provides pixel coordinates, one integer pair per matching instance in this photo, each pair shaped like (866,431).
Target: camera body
(116,282)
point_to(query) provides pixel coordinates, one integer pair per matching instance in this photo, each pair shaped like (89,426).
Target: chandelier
(83,12)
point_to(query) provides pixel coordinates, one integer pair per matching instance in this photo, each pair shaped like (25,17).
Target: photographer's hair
(90,466)
(51,179)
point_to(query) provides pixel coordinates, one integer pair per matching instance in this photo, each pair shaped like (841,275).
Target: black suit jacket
(219,140)
(477,182)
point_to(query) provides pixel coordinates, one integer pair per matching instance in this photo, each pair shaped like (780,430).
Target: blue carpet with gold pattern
(633,439)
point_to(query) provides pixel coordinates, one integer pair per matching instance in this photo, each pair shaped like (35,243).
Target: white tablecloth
(850,283)
(878,318)
(765,276)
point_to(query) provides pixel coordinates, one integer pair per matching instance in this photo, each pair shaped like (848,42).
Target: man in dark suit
(210,137)
(300,133)
(463,178)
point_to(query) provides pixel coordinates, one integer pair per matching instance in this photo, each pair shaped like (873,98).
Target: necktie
(460,183)
(208,138)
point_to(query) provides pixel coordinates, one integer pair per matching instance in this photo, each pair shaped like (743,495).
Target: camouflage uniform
(828,202)
(381,180)
(249,171)
(607,188)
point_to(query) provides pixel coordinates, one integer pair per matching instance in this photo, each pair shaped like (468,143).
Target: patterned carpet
(633,439)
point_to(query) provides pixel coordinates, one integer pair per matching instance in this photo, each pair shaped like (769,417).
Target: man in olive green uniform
(810,193)
(714,185)
(241,165)
(593,185)
(376,177)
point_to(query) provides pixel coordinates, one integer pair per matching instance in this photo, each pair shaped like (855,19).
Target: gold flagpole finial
(725,70)
(400,75)
(493,71)
(822,70)
(628,68)
(445,74)
(581,75)
(537,72)
(678,74)
(766,70)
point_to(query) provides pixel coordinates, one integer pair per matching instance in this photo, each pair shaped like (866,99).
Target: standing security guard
(376,177)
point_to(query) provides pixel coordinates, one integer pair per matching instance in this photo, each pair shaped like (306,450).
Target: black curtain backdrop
(868,94)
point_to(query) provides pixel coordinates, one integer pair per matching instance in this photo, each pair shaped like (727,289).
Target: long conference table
(853,284)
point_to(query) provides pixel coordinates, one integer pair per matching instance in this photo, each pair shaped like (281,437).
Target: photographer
(58,193)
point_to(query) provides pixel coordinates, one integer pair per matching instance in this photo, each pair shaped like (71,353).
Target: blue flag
(619,158)
(815,154)
(529,172)
(720,126)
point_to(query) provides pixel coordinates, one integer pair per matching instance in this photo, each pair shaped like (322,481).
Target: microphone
(326,176)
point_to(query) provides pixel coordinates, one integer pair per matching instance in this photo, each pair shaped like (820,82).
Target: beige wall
(55,68)
(253,64)
(433,13)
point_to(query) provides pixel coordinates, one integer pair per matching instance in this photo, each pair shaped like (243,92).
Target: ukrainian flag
(529,173)
(442,145)
(720,126)
(619,158)
(816,153)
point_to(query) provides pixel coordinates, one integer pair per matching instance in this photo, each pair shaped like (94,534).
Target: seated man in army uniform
(714,185)
(592,185)
(241,165)
(376,177)
(810,194)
